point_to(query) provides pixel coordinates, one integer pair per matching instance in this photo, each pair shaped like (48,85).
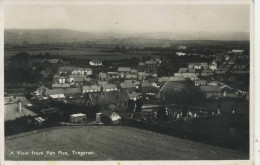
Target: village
(142,93)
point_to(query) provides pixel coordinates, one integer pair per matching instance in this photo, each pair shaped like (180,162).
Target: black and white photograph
(128,81)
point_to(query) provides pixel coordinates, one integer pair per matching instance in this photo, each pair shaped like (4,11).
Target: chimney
(19,105)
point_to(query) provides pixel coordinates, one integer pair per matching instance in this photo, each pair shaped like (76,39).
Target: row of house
(70,70)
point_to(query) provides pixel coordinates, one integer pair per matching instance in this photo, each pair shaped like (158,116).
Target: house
(16,110)
(109,87)
(102,76)
(151,66)
(213,66)
(95,63)
(227,91)
(112,75)
(202,65)
(134,96)
(65,70)
(173,78)
(81,71)
(129,86)
(105,98)
(211,91)
(147,87)
(237,51)
(191,76)
(215,83)
(207,72)
(54,62)
(173,86)
(59,85)
(124,71)
(182,47)
(77,79)
(180,53)
(142,75)
(58,79)
(110,118)
(68,70)
(200,82)
(61,93)
(90,89)
(78,118)
(187,70)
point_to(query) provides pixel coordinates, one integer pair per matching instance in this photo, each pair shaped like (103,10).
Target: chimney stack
(19,105)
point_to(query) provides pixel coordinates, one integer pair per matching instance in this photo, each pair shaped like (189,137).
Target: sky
(130,18)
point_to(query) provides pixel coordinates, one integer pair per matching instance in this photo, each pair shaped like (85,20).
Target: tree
(163,113)
(131,105)
(139,104)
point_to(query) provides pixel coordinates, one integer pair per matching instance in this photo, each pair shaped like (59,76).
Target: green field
(111,143)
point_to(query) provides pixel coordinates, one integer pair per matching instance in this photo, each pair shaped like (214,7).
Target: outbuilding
(78,118)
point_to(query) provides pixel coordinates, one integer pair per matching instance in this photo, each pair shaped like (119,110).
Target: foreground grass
(111,143)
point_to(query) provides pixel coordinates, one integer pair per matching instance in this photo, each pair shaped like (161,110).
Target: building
(237,51)
(110,118)
(191,76)
(59,93)
(202,65)
(207,72)
(91,89)
(151,66)
(211,91)
(182,47)
(147,87)
(69,70)
(124,71)
(102,76)
(95,63)
(112,75)
(16,110)
(81,71)
(105,98)
(213,66)
(187,70)
(78,118)
(180,54)
(60,85)
(109,87)
(54,62)
(200,82)
(227,91)
(172,78)
(77,79)
(129,86)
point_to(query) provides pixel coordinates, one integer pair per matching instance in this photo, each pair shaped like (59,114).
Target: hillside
(112,143)
(38,36)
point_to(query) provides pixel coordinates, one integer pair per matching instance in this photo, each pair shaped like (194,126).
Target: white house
(180,53)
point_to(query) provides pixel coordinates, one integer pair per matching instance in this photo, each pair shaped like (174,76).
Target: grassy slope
(113,143)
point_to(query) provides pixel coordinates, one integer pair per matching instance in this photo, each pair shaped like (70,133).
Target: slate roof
(113,97)
(63,91)
(172,85)
(124,69)
(210,88)
(125,85)
(60,85)
(92,87)
(54,61)
(12,113)
(96,61)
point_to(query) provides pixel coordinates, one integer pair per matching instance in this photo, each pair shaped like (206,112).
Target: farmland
(110,143)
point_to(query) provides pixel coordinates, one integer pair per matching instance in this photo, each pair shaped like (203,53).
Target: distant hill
(37,36)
